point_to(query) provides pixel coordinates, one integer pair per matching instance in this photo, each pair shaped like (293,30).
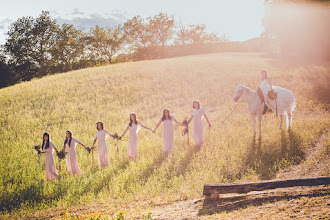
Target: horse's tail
(293,103)
(289,117)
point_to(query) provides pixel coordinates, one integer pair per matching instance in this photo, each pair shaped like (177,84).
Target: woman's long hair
(199,105)
(43,141)
(169,115)
(66,139)
(97,124)
(131,121)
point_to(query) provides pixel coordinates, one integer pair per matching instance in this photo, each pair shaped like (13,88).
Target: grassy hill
(76,100)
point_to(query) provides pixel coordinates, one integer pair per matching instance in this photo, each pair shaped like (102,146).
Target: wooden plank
(210,189)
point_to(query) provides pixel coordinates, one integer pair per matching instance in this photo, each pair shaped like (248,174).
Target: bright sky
(239,19)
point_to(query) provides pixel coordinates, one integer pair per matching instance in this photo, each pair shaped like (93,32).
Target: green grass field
(76,100)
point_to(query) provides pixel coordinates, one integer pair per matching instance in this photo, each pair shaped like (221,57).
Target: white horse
(285,104)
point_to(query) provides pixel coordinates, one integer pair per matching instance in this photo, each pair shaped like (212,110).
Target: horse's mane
(248,88)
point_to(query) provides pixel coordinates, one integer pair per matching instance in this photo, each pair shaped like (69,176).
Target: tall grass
(76,100)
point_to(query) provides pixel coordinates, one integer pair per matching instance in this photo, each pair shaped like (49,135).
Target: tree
(69,48)
(18,47)
(6,73)
(223,38)
(182,35)
(198,36)
(300,27)
(106,42)
(44,32)
(28,44)
(138,36)
(161,28)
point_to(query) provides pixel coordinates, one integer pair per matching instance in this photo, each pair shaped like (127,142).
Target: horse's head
(238,92)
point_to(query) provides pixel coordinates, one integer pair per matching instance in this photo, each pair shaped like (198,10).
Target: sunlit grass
(76,100)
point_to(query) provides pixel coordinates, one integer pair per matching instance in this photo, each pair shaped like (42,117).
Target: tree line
(36,47)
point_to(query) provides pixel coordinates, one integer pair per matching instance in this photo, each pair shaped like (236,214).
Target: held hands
(89,149)
(115,136)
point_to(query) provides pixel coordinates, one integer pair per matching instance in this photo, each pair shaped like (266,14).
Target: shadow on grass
(183,165)
(173,170)
(267,158)
(103,182)
(322,94)
(146,173)
(226,205)
(34,194)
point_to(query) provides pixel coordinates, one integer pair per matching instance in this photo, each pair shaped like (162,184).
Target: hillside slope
(76,100)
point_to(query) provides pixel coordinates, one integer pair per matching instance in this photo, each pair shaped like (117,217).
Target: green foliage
(28,45)
(105,42)
(7,75)
(76,100)
(39,46)
(120,216)
(147,217)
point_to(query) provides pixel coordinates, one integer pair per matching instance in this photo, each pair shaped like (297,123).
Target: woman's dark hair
(66,139)
(97,124)
(169,115)
(199,105)
(43,141)
(131,121)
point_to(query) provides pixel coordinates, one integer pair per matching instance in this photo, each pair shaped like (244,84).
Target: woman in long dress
(168,130)
(265,86)
(69,145)
(102,149)
(198,132)
(133,127)
(48,149)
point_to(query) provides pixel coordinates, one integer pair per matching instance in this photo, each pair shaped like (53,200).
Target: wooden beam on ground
(211,189)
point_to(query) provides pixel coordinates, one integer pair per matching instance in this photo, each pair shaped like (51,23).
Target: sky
(240,20)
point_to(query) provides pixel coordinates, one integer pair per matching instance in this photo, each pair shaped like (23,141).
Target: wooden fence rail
(211,189)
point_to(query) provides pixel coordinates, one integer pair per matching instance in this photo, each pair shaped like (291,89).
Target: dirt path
(313,166)
(292,203)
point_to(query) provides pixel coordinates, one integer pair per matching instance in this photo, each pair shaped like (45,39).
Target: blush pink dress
(71,157)
(51,172)
(168,135)
(198,132)
(132,149)
(102,149)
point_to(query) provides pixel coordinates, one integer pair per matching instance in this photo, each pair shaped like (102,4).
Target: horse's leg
(289,121)
(259,123)
(281,116)
(253,117)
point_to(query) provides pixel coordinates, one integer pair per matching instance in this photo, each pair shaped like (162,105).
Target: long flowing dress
(51,172)
(132,149)
(198,131)
(168,135)
(71,157)
(265,88)
(102,149)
